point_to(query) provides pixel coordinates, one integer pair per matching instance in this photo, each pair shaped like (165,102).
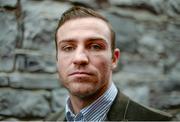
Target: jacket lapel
(117,111)
(119,107)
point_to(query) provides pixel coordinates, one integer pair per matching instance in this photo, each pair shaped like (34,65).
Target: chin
(82,90)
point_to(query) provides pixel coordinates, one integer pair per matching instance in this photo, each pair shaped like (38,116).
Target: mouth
(80,73)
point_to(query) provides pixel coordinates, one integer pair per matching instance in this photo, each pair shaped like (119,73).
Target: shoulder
(123,108)
(141,112)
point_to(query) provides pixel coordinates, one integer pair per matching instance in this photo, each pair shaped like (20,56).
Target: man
(86,57)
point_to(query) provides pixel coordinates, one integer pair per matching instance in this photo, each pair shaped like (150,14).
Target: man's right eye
(68,48)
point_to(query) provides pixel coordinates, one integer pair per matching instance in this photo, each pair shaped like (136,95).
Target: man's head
(81,12)
(84,52)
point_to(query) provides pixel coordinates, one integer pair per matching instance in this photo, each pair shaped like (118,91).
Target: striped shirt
(97,111)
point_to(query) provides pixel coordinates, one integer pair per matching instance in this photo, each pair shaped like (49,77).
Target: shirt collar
(97,110)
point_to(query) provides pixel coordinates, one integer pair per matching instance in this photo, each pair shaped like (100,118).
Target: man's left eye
(95,47)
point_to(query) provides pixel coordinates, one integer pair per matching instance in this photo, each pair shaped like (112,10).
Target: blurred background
(147,33)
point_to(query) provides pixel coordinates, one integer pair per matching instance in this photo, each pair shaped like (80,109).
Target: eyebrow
(66,40)
(92,39)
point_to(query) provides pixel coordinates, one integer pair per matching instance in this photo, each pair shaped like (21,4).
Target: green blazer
(124,109)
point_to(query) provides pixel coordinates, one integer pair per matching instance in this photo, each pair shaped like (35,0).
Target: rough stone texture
(166,86)
(87,3)
(168,92)
(3,81)
(8,35)
(33,81)
(169,7)
(147,33)
(169,100)
(40,20)
(59,97)
(11,119)
(178,116)
(171,37)
(142,91)
(21,103)
(91,3)
(173,8)
(9,3)
(127,32)
(36,63)
(174,74)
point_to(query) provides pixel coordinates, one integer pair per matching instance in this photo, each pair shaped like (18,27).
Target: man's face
(84,56)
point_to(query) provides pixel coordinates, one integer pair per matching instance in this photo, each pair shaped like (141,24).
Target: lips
(80,73)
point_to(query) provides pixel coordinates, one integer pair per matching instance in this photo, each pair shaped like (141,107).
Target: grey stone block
(167,7)
(138,93)
(11,3)
(167,86)
(123,78)
(3,81)
(58,99)
(172,8)
(11,119)
(150,46)
(170,37)
(166,101)
(127,32)
(40,21)
(33,81)
(154,6)
(1,117)
(8,35)
(141,68)
(178,116)
(151,42)
(174,74)
(22,103)
(87,3)
(39,63)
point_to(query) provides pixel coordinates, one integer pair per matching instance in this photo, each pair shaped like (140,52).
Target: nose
(81,57)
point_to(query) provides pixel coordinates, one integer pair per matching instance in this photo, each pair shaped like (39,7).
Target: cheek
(63,60)
(103,65)
(106,67)
(61,65)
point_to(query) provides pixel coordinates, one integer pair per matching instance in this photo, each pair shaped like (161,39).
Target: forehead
(86,21)
(88,26)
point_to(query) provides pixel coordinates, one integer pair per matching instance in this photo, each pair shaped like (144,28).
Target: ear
(116,56)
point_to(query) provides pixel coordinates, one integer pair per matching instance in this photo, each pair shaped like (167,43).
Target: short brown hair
(81,12)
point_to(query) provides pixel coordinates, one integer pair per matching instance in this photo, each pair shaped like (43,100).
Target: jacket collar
(118,109)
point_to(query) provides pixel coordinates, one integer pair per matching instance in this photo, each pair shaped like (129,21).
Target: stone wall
(148,35)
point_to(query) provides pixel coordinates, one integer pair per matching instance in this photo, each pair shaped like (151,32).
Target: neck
(78,103)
